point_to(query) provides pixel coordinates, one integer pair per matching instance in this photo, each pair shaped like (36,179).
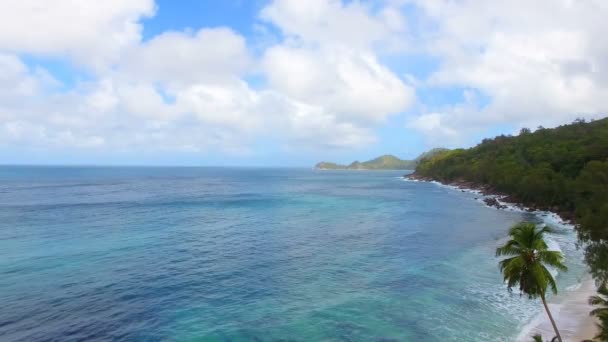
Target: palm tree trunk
(559,337)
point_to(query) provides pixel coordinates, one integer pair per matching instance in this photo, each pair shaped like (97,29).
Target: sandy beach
(571,312)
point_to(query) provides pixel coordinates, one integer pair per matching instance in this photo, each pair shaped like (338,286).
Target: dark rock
(493,202)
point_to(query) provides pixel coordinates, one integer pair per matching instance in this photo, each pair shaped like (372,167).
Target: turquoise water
(236,254)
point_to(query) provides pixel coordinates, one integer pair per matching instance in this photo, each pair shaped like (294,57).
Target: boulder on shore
(493,202)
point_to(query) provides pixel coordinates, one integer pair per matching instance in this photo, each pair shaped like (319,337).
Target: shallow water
(196,254)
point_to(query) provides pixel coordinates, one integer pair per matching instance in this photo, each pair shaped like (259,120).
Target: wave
(563,235)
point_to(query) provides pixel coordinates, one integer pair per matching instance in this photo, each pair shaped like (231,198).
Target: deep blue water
(236,254)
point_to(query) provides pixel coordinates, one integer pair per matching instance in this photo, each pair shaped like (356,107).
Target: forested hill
(386,162)
(564,169)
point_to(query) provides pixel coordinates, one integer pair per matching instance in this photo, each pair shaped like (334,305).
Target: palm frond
(528,254)
(549,280)
(597,300)
(552,258)
(537,338)
(510,248)
(599,312)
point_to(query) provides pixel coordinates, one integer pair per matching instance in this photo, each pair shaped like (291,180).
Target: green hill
(385,162)
(564,170)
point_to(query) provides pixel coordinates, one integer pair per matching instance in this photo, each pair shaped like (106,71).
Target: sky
(289,82)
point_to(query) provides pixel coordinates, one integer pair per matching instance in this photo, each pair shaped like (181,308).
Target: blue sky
(286,82)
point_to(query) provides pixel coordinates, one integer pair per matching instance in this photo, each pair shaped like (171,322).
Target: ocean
(254,254)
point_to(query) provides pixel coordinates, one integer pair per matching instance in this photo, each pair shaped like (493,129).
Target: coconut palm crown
(528,256)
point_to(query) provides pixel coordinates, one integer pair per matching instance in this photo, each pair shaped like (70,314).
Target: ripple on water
(250,254)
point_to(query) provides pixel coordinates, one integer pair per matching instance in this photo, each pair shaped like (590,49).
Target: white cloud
(93,33)
(328,64)
(232,106)
(333,22)
(188,90)
(320,77)
(213,55)
(311,126)
(350,84)
(537,62)
(18,81)
(431,124)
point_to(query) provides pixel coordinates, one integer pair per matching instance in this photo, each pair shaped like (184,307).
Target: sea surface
(246,254)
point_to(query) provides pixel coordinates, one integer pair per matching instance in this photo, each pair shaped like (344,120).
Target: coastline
(571,312)
(494,198)
(570,307)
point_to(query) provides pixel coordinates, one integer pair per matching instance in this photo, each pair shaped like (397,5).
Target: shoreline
(494,198)
(570,307)
(571,312)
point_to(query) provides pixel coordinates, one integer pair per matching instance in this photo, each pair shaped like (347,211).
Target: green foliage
(539,338)
(386,162)
(430,154)
(564,169)
(527,254)
(601,300)
(329,166)
(527,257)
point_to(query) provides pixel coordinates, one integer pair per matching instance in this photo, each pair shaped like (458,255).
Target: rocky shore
(494,198)
(571,309)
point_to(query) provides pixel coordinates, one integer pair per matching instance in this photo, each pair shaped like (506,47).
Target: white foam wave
(574,287)
(552,245)
(526,330)
(564,241)
(410,180)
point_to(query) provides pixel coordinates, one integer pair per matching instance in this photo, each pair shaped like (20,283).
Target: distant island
(385,162)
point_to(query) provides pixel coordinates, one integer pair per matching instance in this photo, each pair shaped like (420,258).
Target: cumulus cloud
(92,33)
(324,85)
(316,78)
(333,22)
(537,62)
(351,84)
(211,54)
(328,61)
(18,81)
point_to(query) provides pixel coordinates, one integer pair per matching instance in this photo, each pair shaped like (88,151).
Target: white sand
(571,313)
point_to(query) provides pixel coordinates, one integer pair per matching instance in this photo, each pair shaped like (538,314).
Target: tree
(528,254)
(539,338)
(601,300)
(603,326)
(562,169)
(601,312)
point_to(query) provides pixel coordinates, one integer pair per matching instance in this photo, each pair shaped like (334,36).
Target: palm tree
(539,338)
(601,300)
(528,254)
(603,326)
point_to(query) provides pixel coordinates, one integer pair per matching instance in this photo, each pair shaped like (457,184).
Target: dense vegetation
(564,169)
(386,162)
